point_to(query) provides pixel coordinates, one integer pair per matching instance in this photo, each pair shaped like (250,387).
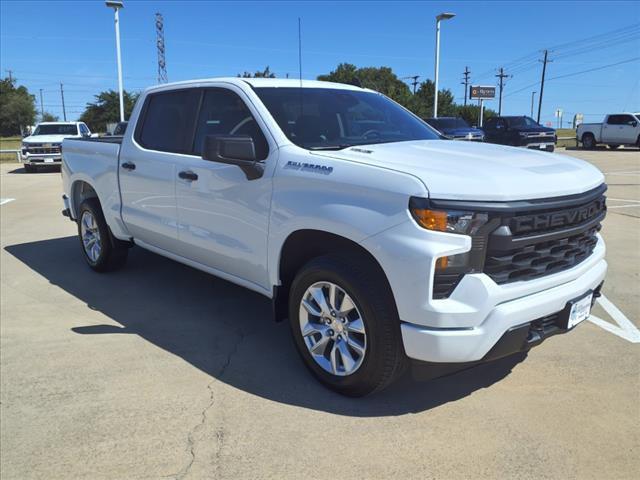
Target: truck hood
(473,171)
(47,138)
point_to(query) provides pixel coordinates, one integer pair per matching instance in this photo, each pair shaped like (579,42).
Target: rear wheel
(101,250)
(345,325)
(588,141)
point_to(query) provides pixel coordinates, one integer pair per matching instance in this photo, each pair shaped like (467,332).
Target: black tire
(384,359)
(588,141)
(30,168)
(113,252)
(551,148)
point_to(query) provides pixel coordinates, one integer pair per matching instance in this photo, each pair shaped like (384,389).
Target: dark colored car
(120,128)
(519,132)
(456,128)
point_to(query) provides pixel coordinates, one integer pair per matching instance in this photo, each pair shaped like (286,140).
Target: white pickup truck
(379,241)
(616,130)
(43,146)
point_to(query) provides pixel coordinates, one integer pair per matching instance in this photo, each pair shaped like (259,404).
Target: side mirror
(234,150)
(634,123)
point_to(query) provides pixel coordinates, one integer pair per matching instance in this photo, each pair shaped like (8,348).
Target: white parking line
(625,328)
(637,205)
(6,200)
(623,200)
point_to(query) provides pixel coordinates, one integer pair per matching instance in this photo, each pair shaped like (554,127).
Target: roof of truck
(265,82)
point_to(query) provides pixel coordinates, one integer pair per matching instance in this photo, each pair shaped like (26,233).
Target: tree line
(18,106)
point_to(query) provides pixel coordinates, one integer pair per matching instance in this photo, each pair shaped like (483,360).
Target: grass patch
(9,143)
(566,132)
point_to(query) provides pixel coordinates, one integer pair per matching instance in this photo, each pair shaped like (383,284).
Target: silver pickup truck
(616,130)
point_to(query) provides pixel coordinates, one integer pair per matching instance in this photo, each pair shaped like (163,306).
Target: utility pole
(162,66)
(501,76)
(544,71)
(466,74)
(533,95)
(64,111)
(414,83)
(117,5)
(41,107)
(10,72)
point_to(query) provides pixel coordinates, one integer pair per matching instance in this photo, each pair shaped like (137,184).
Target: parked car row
(515,131)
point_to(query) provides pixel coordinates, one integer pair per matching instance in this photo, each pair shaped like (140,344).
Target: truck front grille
(530,245)
(44,150)
(540,259)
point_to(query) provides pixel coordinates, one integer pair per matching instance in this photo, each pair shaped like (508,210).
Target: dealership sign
(482,93)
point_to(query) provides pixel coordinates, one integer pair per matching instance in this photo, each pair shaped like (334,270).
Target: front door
(222,216)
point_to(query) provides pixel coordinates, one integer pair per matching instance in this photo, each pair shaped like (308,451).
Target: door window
(224,113)
(615,119)
(169,118)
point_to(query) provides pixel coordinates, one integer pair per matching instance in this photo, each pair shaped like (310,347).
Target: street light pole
(442,16)
(117,5)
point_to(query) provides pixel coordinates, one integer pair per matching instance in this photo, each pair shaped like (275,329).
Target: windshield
(447,123)
(523,122)
(56,129)
(326,118)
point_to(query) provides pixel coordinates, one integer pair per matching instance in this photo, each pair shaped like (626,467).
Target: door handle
(188,175)
(129,166)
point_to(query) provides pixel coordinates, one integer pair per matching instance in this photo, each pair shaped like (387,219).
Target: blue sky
(45,43)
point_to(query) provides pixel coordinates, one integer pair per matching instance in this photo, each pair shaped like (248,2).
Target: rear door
(223,216)
(610,128)
(148,159)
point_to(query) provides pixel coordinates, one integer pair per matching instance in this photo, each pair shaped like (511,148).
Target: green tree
(380,79)
(106,109)
(50,117)
(471,113)
(422,102)
(17,108)
(266,73)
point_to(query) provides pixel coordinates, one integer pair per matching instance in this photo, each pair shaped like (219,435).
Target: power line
(596,68)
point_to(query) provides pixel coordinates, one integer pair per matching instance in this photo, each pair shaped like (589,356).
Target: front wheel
(101,250)
(588,141)
(345,325)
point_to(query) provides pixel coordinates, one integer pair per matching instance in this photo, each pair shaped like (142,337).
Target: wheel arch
(80,191)
(300,247)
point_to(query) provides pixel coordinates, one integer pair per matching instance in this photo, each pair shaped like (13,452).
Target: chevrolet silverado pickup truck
(519,131)
(380,242)
(616,130)
(43,146)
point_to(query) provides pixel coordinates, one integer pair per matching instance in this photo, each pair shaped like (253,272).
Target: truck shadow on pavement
(226,331)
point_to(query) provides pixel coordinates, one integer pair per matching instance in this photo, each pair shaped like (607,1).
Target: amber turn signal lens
(442,263)
(431,219)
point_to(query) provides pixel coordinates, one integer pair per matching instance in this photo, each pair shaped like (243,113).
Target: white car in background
(616,130)
(44,145)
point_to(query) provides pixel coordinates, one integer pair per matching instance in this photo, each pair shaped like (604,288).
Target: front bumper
(42,159)
(514,321)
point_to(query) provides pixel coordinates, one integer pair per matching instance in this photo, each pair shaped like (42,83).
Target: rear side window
(224,113)
(615,119)
(169,119)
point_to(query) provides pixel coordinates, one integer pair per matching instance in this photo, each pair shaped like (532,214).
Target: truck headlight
(451,221)
(450,269)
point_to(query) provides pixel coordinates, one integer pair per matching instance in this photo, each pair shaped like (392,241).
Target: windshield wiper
(330,147)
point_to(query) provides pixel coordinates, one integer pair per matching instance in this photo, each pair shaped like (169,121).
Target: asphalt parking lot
(159,370)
